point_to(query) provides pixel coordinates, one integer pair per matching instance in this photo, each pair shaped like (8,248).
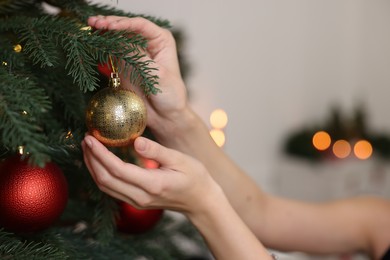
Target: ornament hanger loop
(114,67)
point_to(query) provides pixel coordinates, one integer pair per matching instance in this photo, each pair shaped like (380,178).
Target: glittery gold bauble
(116,116)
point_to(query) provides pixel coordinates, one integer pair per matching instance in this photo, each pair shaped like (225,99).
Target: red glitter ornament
(31,198)
(135,221)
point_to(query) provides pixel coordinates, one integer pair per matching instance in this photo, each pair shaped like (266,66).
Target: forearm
(225,233)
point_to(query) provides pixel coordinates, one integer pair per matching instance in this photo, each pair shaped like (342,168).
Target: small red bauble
(149,163)
(104,69)
(135,221)
(31,198)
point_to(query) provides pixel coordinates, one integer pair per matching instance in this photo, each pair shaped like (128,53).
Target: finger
(88,163)
(100,153)
(92,20)
(115,167)
(107,182)
(139,25)
(87,160)
(152,150)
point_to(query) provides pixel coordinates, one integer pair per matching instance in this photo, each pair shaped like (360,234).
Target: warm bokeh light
(321,140)
(18,48)
(362,149)
(341,149)
(218,137)
(218,119)
(150,164)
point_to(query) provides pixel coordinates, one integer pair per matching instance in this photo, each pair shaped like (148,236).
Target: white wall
(277,65)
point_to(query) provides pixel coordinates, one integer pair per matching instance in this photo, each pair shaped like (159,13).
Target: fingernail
(141,144)
(88,142)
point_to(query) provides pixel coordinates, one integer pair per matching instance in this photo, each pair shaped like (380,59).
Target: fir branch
(14,248)
(11,60)
(12,23)
(9,7)
(84,10)
(129,48)
(40,48)
(83,49)
(68,103)
(80,65)
(17,128)
(114,42)
(104,219)
(43,35)
(64,148)
(141,73)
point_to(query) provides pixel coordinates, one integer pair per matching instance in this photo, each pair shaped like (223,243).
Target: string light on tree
(18,48)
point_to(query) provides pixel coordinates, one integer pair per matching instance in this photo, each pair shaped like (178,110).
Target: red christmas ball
(31,198)
(104,69)
(135,221)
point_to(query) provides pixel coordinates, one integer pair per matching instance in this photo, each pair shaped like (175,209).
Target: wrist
(181,127)
(220,226)
(209,208)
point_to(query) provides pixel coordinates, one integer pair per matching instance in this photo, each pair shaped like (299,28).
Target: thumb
(154,151)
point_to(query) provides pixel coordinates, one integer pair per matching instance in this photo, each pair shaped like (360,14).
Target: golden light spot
(362,149)
(18,48)
(69,134)
(218,137)
(4,63)
(321,140)
(218,119)
(21,149)
(341,149)
(86,28)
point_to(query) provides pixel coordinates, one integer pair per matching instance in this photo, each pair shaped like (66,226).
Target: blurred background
(282,71)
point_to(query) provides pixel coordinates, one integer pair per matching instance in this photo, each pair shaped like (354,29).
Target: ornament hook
(115,81)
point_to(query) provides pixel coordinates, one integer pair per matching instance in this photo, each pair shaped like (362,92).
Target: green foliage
(56,68)
(48,72)
(77,242)
(12,247)
(20,119)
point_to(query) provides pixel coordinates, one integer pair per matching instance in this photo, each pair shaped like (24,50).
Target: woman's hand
(180,183)
(166,110)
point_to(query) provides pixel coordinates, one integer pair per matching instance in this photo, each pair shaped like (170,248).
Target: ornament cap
(115,81)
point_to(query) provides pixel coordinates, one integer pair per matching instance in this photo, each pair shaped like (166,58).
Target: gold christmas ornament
(116,116)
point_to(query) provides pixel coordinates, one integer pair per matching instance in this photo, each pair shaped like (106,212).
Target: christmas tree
(51,64)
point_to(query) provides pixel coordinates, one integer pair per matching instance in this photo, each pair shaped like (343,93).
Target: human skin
(182,184)
(342,226)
